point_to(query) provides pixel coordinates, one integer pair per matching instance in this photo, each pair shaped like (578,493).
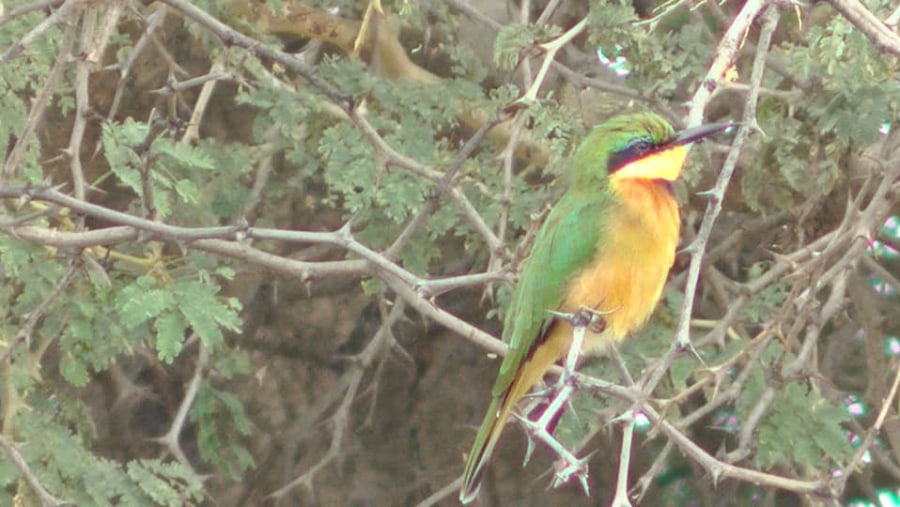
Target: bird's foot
(589,318)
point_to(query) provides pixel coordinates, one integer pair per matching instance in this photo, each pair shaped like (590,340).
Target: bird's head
(637,146)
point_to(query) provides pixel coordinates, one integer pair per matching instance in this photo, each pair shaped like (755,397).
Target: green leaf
(204,311)
(187,191)
(188,156)
(236,410)
(69,470)
(802,428)
(74,370)
(217,415)
(139,302)
(513,39)
(157,479)
(119,140)
(170,330)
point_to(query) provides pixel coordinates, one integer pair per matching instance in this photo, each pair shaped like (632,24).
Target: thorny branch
(380,344)
(717,195)
(724,59)
(34,318)
(863,19)
(67,12)
(39,107)
(12,453)
(171,440)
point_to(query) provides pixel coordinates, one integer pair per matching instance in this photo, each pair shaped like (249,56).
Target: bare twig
(716,468)
(260,180)
(576,77)
(447,491)
(230,36)
(395,158)
(27,329)
(724,59)
(659,463)
(30,7)
(47,499)
(97,27)
(379,345)
(875,29)
(171,440)
(717,195)
(204,237)
(621,497)
(192,133)
(39,106)
(68,11)
(430,310)
(873,432)
(550,49)
(894,18)
(153,22)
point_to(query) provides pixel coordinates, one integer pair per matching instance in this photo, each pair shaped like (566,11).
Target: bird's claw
(589,318)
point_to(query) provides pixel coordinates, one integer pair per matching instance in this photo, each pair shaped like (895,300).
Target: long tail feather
(530,371)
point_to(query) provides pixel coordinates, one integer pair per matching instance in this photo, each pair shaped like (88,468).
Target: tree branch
(47,499)
(862,18)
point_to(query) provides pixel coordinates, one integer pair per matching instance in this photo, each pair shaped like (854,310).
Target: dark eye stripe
(633,151)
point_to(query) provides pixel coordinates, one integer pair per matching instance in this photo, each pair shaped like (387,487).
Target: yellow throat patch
(663,165)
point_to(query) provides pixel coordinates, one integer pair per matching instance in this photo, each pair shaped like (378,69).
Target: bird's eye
(640,147)
(634,150)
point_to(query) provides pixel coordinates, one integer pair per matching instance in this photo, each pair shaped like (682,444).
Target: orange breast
(626,278)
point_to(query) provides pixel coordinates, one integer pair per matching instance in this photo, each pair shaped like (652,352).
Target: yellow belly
(625,280)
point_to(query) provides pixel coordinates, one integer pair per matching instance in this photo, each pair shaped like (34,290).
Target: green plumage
(569,238)
(565,245)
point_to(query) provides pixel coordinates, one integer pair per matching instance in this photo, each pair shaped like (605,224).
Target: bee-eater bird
(606,247)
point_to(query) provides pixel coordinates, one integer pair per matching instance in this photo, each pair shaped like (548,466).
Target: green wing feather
(565,245)
(569,238)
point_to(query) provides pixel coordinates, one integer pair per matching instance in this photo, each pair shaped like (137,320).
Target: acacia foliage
(256,282)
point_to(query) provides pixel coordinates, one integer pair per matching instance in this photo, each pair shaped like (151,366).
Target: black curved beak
(695,134)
